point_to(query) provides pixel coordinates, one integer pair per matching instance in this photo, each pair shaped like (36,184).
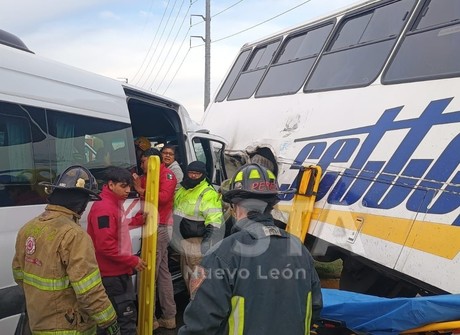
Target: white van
(53,116)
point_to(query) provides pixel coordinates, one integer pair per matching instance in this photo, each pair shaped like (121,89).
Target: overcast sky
(148,41)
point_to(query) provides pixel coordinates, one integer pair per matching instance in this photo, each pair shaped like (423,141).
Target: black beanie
(197,166)
(152,152)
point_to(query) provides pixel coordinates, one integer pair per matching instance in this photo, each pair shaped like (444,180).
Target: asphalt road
(181,302)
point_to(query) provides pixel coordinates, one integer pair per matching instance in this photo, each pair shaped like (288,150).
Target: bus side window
(250,77)
(360,47)
(294,62)
(437,25)
(235,71)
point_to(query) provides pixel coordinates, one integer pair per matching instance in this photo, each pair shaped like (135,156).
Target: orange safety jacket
(56,265)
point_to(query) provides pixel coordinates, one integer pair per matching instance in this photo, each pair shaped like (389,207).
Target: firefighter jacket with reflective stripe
(55,264)
(257,281)
(109,230)
(198,208)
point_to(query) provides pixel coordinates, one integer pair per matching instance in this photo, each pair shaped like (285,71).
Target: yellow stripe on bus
(429,237)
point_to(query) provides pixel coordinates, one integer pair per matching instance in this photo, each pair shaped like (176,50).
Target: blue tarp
(383,316)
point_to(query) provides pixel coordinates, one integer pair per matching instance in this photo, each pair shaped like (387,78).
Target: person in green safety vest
(198,218)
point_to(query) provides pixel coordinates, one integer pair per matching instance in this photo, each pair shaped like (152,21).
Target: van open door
(209,149)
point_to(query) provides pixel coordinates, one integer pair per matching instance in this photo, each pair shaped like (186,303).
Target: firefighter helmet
(75,177)
(251,181)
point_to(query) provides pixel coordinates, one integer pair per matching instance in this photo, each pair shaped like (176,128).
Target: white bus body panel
(280,123)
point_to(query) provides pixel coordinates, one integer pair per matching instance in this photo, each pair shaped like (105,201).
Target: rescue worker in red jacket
(167,185)
(109,230)
(56,265)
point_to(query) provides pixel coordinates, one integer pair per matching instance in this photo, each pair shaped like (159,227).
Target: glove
(212,235)
(113,329)
(205,246)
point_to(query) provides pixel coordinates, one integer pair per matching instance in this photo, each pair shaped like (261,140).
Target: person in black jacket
(258,280)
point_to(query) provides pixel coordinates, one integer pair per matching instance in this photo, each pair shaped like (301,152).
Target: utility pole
(207,53)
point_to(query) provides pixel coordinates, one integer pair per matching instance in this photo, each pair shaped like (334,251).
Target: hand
(143,215)
(141,265)
(137,182)
(113,329)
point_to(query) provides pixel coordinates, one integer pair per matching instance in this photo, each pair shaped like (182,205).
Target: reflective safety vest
(56,265)
(201,204)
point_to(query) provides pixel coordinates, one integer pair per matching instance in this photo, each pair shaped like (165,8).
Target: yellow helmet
(251,181)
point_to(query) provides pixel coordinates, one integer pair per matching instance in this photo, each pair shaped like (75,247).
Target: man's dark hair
(118,175)
(151,152)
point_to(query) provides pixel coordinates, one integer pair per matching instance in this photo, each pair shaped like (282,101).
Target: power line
(150,47)
(164,45)
(256,25)
(229,36)
(222,11)
(158,43)
(183,60)
(172,44)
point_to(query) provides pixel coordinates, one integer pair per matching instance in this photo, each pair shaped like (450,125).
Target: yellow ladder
(304,201)
(146,294)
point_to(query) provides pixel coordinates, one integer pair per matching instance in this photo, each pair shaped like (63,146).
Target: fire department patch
(30,245)
(271,231)
(196,279)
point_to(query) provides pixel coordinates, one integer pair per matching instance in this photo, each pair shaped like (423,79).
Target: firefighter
(198,218)
(258,280)
(56,265)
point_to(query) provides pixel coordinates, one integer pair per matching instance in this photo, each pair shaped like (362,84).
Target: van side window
(438,26)
(360,47)
(252,73)
(23,162)
(234,72)
(92,142)
(212,154)
(294,62)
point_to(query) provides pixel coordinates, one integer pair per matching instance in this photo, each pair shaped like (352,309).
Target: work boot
(167,323)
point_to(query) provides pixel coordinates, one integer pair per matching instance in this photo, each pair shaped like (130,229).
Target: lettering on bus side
(387,184)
